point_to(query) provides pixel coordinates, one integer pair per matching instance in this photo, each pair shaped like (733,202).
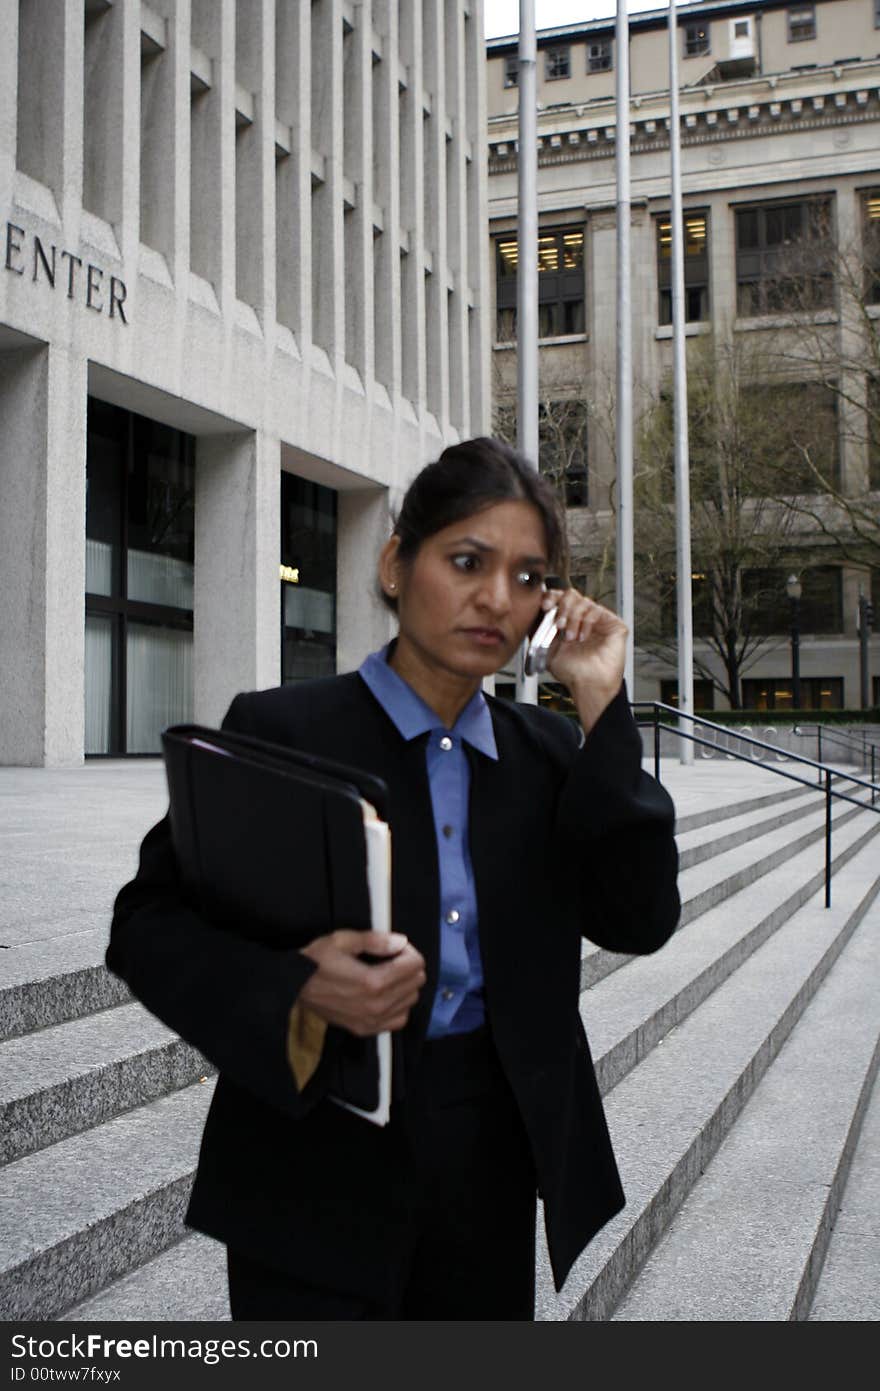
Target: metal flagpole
(680,415)
(625,585)
(527,273)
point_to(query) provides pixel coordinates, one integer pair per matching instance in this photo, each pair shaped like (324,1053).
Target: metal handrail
(860,741)
(825,770)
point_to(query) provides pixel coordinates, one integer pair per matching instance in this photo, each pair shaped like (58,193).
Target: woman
(509,842)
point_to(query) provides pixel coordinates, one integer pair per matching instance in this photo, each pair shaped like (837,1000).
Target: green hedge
(771,717)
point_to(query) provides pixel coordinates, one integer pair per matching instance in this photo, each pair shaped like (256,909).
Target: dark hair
(467,478)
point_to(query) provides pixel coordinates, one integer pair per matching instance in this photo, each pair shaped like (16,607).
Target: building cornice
(738,111)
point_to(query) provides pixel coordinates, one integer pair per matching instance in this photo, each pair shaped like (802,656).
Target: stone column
(363,623)
(236,610)
(42,555)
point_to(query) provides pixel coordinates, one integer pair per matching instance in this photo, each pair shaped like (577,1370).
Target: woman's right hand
(365,999)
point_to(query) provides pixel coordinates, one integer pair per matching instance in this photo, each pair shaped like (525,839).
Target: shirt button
(447,994)
(449,832)
(453,915)
(446,743)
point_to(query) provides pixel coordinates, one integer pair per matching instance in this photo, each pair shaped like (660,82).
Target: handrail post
(819,748)
(656,743)
(827,837)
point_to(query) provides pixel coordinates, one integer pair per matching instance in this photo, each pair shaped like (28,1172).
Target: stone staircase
(737,1066)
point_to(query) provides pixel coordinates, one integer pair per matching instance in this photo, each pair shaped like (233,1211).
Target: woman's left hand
(589,653)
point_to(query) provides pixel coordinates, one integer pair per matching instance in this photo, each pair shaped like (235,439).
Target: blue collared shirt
(458,1003)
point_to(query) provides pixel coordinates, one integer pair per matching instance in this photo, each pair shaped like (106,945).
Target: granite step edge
(600,1296)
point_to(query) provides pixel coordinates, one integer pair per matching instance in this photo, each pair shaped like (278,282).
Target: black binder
(280,846)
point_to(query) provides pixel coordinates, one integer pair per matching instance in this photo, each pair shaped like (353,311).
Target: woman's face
(472,591)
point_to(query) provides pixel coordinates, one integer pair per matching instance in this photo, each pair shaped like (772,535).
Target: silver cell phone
(540,643)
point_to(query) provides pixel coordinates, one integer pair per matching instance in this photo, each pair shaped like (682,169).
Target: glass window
(557,63)
(768,610)
(704,694)
(308,579)
(801,23)
(873,432)
(161,491)
(771,693)
(511,70)
(599,56)
(800,444)
(701,604)
(158,662)
(562,448)
(99,683)
(140,524)
(696,39)
(871,241)
(561,309)
(696,267)
(783,257)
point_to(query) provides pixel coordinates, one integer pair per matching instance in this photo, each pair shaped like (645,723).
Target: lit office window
(560,284)
(871,242)
(696,267)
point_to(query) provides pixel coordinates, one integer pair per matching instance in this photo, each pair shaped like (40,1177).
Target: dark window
(696,39)
(782,257)
(696,267)
(562,445)
(772,693)
(599,56)
(704,694)
(557,63)
(308,579)
(797,425)
(741,29)
(801,23)
(871,235)
(560,284)
(769,611)
(511,70)
(701,605)
(876,26)
(140,479)
(873,432)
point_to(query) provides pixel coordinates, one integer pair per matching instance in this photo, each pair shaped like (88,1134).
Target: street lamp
(793,589)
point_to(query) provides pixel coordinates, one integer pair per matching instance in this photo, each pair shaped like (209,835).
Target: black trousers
(471,1247)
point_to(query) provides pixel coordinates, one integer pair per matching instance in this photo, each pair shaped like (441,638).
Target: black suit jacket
(564,841)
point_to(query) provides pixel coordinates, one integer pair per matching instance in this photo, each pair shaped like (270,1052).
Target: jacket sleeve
(616,827)
(229,997)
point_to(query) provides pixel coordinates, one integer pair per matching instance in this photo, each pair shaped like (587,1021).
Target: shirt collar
(412,717)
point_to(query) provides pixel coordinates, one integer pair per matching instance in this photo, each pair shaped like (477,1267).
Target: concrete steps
(777,1179)
(86,1210)
(101,1110)
(670,1113)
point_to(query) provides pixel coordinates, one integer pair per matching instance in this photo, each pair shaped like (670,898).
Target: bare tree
(836,347)
(744,533)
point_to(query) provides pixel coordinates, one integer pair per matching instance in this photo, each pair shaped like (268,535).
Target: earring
(392,586)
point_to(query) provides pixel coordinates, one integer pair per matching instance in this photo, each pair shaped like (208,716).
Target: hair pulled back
(466,479)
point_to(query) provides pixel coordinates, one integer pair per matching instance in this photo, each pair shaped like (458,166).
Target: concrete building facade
(780,117)
(243,298)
